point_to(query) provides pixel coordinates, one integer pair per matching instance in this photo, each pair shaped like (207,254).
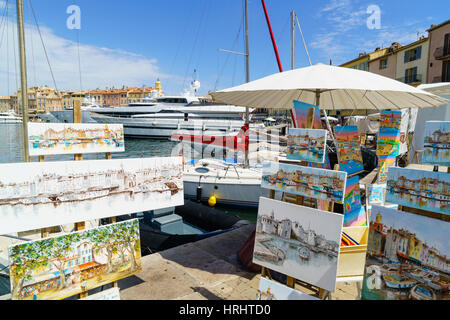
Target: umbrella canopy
(335,88)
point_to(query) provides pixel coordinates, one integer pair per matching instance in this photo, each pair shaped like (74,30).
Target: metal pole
(23,77)
(292,40)
(247,79)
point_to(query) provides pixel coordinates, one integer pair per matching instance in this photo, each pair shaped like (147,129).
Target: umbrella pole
(326,117)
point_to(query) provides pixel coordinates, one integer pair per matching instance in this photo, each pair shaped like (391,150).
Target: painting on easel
(300,242)
(388,141)
(425,190)
(271,290)
(437,143)
(354,212)
(407,257)
(303,112)
(307,145)
(349,153)
(60,267)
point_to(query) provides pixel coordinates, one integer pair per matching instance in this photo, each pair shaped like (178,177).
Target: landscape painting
(388,145)
(376,193)
(426,190)
(437,143)
(38,195)
(272,290)
(297,241)
(348,145)
(407,257)
(60,267)
(354,212)
(321,184)
(307,145)
(74,138)
(305,113)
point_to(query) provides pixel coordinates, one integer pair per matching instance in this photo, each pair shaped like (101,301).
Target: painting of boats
(74,138)
(272,290)
(354,212)
(307,145)
(300,242)
(437,143)
(388,145)
(348,149)
(426,190)
(315,183)
(407,257)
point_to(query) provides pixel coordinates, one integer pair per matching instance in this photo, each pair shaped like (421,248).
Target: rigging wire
(79,58)
(32,50)
(14,49)
(3,22)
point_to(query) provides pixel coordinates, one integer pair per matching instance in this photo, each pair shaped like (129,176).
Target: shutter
(406,56)
(419,52)
(406,76)
(414,79)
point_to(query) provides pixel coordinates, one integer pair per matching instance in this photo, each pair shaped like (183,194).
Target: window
(447,44)
(446,71)
(383,63)
(411,75)
(413,54)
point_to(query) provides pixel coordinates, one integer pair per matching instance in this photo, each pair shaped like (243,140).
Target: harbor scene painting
(407,257)
(42,194)
(305,114)
(307,145)
(354,212)
(74,138)
(60,267)
(300,242)
(348,149)
(321,184)
(425,190)
(437,143)
(388,145)
(272,290)
(376,193)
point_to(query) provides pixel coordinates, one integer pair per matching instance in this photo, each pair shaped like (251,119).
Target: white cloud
(100,67)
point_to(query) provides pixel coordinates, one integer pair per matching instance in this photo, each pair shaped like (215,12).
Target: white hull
(10,121)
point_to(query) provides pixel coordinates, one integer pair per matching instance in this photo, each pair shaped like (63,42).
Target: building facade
(412,61)
(439,53)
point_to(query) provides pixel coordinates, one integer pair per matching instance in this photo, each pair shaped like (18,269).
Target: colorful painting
(37,195)
(110,294)
(74,138)
(271,290)
(299,242)
(354,212)
(407,257)
(348,145)
(60,267)
(307,145)
(388,141)
(305,111)
(437,143)
(376,193)
(314,183)
(426,190)
(325,165)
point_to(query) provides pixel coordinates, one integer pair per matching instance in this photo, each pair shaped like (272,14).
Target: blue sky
(135,42)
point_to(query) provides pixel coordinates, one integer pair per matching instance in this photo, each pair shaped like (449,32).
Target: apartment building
(412,61)
(439,53)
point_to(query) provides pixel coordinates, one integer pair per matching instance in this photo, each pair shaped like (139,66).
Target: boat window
(202,170)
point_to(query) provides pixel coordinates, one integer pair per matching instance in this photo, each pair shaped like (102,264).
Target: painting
(376,193)
(354,212)
(110,294)
(74,138)
(314,183)
(388,146)
(348,149)
(307,145)
(407,257)
(304,113)
(437,143)
(299,242)
(37,195)
(425,190)
(271,290)
(325,165)
(60,267)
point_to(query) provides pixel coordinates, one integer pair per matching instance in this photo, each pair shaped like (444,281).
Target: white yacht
(9,117)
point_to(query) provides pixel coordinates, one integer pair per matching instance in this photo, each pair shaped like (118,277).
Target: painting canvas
(271,290)
(348,145)
(354,212)
(388,146)
(315,183)
(60,267)
(43,194)
(74,138)
(407,257)
(426,190)
(325,165)
(437,143)
(304,111)
(300,242)
(376,193)
(307,145)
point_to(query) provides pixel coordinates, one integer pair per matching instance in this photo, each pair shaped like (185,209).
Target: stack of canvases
(46,194)
(408,252)
(298,241)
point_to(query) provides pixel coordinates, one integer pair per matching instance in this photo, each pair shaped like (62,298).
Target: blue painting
(437,143)
(307,145)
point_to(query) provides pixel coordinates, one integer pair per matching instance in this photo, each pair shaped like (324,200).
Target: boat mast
(247,79)
(292,40)
(23,78)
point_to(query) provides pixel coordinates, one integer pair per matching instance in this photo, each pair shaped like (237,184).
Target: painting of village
(307,145)
(300,242)
(348,145)
(407,257)
(304,113)
(354,212)
(74,138)
(60,267)
(437,143)
(271,290)
(426,190)
(37,195)
(315,183)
